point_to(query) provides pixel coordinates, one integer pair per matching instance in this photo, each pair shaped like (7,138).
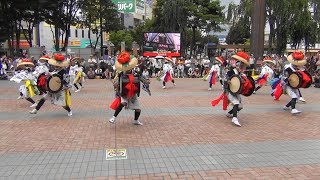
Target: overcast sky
(226,2)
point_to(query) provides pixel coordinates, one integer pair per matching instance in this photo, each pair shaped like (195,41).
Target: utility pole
(257,31)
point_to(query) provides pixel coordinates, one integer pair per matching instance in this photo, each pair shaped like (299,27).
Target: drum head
(235,84)
(310,83)
(295,80)
(250,91)
(54,83)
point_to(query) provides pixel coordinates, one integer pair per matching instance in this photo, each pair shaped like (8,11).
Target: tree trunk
(56,41)
(66,39)
(271,35)
(193,40)
(11,41)
(30,37)
(18,32)
(90,38)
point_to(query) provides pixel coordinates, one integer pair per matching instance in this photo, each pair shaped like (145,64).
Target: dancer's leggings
(41,102)
(28,99)
(234,111)
(164,83)
(292,103)
(137,112)
(75,85)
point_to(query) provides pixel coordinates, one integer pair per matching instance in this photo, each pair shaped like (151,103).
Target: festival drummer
(28,89)
(294,78)
(236,83)
(127,86)
(267,73)
(58,85)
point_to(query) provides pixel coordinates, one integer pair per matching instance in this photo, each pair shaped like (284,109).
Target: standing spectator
(187,67)
(180,70)
(147,63)
(157,66)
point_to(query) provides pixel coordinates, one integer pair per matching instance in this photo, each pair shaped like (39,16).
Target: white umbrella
(159,57)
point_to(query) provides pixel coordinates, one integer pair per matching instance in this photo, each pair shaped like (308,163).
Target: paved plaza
(183,137)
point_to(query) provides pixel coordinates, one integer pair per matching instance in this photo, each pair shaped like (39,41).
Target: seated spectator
(196,73)
(98,72)
(316,79)
(190,72)
(92,62)
(145,73)
(91,74)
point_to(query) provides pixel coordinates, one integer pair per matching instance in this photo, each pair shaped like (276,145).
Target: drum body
(125,81)
(244,85)
(299,79)
(54,83)
(248,86)
(306,79)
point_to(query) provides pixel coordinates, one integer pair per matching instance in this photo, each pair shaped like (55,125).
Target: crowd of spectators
(96,68)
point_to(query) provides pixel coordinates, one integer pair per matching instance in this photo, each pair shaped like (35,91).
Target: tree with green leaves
(9,18)
(99,16)
(239,16)
(204,15)
(239,32)
(138,31)
(62,14)
(181,15)
(32,15)
(116,37)
(302,27)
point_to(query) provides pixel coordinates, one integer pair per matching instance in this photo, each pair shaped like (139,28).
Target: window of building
(76,32)
(82,33)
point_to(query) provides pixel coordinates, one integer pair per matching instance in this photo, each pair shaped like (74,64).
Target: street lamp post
(101,33)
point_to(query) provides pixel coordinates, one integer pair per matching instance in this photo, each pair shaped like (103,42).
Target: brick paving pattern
(182,136)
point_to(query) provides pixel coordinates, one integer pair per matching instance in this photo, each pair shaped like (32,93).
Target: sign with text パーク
(125,5)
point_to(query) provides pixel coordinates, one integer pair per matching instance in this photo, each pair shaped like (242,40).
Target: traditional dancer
(266,74)
(127,86)
(216,70)
(79,79)
(72,72)
(232,91)
(168,72)
(28,89)
(58,85)
(297,59)
(41,71)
